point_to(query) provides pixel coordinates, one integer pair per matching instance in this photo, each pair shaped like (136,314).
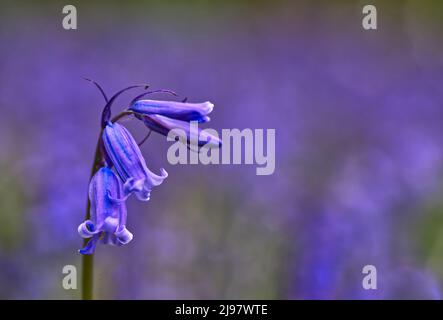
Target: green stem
(88,259)
(87,278)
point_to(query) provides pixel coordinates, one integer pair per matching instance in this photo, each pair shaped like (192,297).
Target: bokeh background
(359,138)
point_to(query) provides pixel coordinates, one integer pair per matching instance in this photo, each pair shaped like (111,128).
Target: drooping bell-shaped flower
(173,109)
(107,221)
(124,153)
(163,125)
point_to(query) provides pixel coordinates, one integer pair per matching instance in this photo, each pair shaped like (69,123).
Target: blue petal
(110,224)
(129,163)
(176,110)
(108,210)
(87,229)
(163,125)
(124,236)
(90,246)
(117,201)
(104,187)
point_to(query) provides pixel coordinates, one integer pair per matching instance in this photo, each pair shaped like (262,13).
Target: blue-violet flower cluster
(123,170)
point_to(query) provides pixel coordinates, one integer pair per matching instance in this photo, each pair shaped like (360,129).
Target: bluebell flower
(183,111)
(108,213)
(124,153)
(163,125)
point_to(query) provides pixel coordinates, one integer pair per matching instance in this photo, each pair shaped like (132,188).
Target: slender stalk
(87,278)
(88,259)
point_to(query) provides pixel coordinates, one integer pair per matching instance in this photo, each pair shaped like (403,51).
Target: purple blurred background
(359,137)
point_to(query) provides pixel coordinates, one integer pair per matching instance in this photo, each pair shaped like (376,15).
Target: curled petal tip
(209,106)
(133,185)
(143,196)
(86,229)
(124,236)
(154,180)
(108,210)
